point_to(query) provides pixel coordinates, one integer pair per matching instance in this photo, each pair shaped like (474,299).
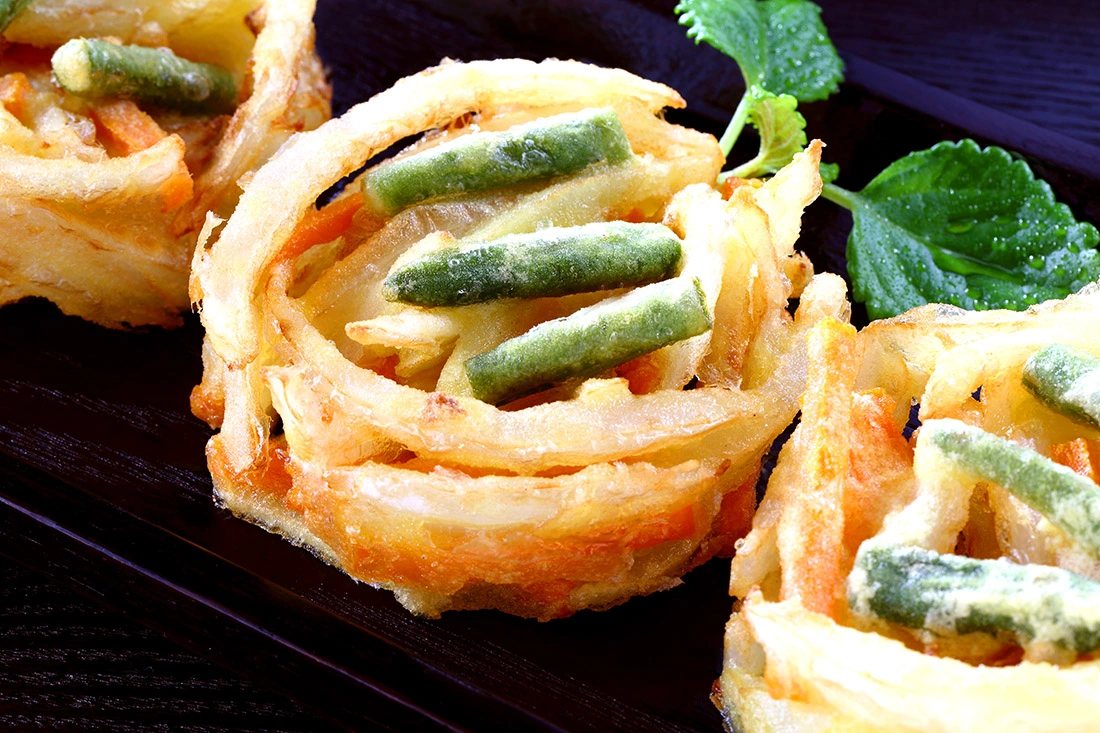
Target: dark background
(70,662)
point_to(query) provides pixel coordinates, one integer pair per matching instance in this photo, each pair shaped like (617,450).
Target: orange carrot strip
(641,373)
(124,128)
(880,470)
(323,225)
(179,189)
(811,528)
(1076,456)
(731,184)
(15,93)
(677,524)
(734,518)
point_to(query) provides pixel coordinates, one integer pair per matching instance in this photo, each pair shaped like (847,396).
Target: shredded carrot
(323,225)
(810,536)
(208,405)
(641,373)
(731,184)
(1077,456)
(15,93)
(270,475)
(124,128)
(677,524)
(879,462)
(734,519)
(178,189)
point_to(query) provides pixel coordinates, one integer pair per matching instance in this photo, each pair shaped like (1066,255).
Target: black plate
(102,474)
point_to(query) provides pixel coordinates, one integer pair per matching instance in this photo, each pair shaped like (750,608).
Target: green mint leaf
(734,27)
(802,61)
(958,224)
(782,133)
(829,172)
(780,45)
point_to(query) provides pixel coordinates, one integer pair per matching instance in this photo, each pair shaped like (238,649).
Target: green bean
(157,77)
(487,161)
(950,594)
(1067,380)
(548,262)
(1070,501)
(591,340)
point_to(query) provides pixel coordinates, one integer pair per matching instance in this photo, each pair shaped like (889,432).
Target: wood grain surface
(1037,61)
(67,662)
(70,663)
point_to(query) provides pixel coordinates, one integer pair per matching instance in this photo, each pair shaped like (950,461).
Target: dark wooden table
(69,662)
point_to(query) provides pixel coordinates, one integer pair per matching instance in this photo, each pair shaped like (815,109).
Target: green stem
(733,130)
(745,170)
(839,196)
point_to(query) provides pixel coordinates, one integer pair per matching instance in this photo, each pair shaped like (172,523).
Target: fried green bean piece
(545,263)
(487,161)
(157,77)
(591,340)
(1070,501)
(951,594)
(1067,380)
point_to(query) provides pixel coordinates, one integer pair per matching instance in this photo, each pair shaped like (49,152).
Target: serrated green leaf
(958,224)
(780,45)
(782,133)
(829,172)
(734,27)
(802,61)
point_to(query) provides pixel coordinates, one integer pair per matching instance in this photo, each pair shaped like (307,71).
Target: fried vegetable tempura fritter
(952,581)
(348,422)
(102,198)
